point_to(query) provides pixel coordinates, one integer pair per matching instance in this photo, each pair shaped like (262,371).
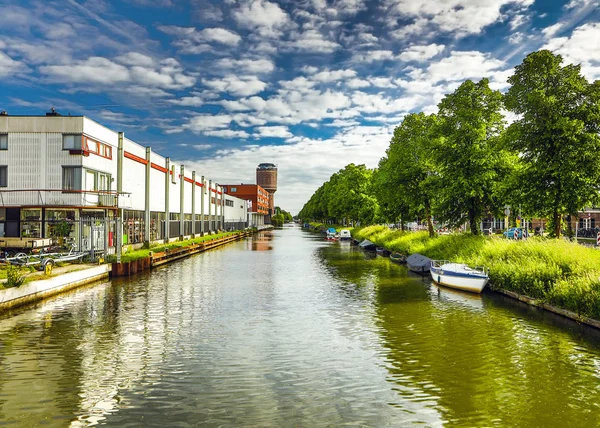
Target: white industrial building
(71,170)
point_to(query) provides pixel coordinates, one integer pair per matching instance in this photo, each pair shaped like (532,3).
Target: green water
(287,329)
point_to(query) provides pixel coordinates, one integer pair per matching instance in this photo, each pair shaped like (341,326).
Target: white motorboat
(345,235)
(459,275)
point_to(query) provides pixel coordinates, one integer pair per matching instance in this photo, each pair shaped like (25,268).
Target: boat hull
(418,263)
(459,281)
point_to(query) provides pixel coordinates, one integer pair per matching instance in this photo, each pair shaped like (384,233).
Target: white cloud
(166,74)
(297,181)
(194,101)
(8,66)
(583,47)
(262,16)
(421,53)
(221,35)
(135,58)
(93,70)
(313,41)
(189,40)
(227,133)
(273,132)
(258,66)
(372,56)
(358,83)
(455,16)
(326,76)
(242,86)
(459,66)
(552,30)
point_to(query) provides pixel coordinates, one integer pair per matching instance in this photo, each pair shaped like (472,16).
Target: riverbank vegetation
(558,272)
(141,253)
(464,164)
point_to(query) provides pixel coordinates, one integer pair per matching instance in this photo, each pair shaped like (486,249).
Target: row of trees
(464,162)
(280,217)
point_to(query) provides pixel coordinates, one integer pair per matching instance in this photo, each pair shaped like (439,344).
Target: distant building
(258,198)
(266,177)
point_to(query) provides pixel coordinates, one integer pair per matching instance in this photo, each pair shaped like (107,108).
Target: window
(71,142)
(228,203)
(71,178)
(3,176)
(173,179)
(234,189)
(3,141)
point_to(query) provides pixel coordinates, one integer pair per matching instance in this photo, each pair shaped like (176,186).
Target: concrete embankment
(43,288)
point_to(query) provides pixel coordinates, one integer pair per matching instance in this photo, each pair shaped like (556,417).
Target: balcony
(51,197)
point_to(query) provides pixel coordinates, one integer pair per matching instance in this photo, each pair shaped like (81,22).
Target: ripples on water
(286,329)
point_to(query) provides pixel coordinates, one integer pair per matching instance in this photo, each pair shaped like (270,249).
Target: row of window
(74,142)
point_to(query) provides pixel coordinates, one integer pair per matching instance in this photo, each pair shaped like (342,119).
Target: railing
(53,197)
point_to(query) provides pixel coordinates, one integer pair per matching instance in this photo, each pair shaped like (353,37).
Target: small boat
(367,245)
(418,263)
(383,252)
(331,234)
(459,275)
(345,235)
(398,258)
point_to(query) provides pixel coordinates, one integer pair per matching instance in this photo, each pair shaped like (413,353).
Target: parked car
(510,233)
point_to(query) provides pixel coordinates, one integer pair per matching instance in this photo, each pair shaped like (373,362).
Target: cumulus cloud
(272,132)
(242,86)
(372,56)
(8,66)
(165,74)
(262,16)
(454,16)
(582,47)
(258,66)
(421,53)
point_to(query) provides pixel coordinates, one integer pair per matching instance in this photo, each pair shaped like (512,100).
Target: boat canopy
(331,230)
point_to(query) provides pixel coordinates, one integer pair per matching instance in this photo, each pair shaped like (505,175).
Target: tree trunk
(473,219)
(556,218)
(429,219)
(570,233)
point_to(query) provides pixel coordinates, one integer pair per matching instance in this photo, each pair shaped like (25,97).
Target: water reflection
(309,333)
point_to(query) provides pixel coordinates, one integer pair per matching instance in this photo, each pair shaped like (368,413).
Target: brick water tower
(266,177)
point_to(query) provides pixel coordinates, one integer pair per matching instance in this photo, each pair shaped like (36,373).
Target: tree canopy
(463,164)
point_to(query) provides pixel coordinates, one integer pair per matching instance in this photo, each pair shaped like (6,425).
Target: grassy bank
(145,252)
(559,272)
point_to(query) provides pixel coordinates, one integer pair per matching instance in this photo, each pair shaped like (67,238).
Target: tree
(469,154)
(556,134)
(407,172)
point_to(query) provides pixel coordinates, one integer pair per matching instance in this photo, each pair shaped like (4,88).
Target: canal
(287,329)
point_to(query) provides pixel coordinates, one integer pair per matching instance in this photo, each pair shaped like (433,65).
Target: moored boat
(382,251)
(398,258)
(331,234)
(418,263)
(459,275)
(345,235)
(367,245)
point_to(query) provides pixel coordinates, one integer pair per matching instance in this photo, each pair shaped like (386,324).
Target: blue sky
(310,85)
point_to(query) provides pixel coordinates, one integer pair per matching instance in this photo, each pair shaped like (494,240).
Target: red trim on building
(199,184)
(135,158)
(158,167)
(189,180)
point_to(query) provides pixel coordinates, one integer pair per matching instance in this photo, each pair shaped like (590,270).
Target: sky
(309,85)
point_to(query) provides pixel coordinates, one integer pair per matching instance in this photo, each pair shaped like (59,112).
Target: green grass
(130,256)
(558,272)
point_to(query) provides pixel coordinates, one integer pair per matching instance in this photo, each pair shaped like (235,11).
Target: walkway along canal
(287,329)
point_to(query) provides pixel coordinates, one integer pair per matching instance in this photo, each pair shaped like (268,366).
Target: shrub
(15,276)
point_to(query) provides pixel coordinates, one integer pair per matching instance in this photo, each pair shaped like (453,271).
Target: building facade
(257,197)
(72,170)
